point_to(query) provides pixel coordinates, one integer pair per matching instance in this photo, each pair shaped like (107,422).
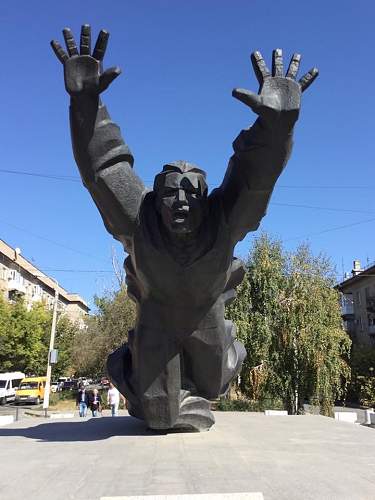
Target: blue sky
(180,61)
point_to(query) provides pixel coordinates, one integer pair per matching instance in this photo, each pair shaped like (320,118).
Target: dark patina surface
(180,266)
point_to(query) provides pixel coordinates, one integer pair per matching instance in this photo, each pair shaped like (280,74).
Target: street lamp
(51,352)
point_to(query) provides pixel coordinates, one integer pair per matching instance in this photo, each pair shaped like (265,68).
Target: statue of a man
(180,240)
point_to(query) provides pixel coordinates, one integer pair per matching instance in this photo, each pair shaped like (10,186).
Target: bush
(249,405)
(56,397)
(362,386)
(366,390)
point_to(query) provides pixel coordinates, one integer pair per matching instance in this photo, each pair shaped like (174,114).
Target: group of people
(93,400)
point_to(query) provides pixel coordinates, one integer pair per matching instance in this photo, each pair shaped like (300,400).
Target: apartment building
(19,277)
(358,303)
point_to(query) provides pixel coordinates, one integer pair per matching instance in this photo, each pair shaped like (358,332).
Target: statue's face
(181,202)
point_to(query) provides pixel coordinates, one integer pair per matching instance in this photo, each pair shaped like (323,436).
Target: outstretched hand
(82,71)
(279,95)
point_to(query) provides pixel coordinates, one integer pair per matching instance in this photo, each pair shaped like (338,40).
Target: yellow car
(31,390)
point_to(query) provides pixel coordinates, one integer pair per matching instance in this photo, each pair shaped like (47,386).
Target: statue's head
(181,196)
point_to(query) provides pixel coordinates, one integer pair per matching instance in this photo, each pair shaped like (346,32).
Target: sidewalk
(284,458)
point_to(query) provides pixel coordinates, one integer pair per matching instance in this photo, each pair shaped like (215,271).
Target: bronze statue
(180,266)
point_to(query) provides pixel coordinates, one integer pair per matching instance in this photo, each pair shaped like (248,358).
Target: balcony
(347,307)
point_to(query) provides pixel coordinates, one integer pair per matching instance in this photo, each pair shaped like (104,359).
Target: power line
(72,178)
(97,271)
(324,208)
(46,176)
(62,245)
(328,230)
(323,187)
(292,205)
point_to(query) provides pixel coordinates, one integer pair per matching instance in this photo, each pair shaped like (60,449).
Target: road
(18,411)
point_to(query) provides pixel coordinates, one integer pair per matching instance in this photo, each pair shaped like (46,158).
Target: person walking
(113,399)
(95,403)
(82,401)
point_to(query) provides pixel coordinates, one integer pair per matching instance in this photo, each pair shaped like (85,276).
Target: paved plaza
(293,457)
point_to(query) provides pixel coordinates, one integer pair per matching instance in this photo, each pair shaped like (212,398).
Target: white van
(9,382)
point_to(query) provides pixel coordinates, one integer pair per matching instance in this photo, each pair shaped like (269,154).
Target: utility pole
(296,373)
(51,344)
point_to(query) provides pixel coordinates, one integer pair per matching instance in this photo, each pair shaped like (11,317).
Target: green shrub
(362,386)
(55,397)
(366,386)
(249,405)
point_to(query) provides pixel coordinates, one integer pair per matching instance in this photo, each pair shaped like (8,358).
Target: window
(16,383)
(358,298)
(37,291)
(29,385)
(3,273)
(15,276)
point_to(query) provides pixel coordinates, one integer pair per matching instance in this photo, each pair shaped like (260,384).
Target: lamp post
(51,344)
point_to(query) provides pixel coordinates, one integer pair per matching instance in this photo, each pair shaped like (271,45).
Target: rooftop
(357,274)
(15,256)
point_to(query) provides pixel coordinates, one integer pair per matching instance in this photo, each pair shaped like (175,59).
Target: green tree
(362,386)
(288,317)
(66,333)
(5,341)
(24,338)
(106,330)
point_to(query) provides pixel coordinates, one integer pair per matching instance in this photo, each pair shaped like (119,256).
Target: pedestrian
(82,401)
(113,399)
(95,403)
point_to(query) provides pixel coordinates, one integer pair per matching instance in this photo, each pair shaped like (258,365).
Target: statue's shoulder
(147,221)
(147,205)
(215,207)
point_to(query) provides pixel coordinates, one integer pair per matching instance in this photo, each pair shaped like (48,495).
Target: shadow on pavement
(94,429)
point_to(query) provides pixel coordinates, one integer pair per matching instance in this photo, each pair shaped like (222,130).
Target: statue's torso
(172,296)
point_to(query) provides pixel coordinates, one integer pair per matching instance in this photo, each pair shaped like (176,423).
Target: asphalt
(292,457)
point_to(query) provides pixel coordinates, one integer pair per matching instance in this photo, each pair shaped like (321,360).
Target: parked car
(54,386)
(84,381)
(70,385)
(9,383)
(104,382)
(31,390)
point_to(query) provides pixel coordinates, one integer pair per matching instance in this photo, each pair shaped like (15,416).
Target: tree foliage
(288,316)
(362,385)
(24,338)
(106,330)
(25,335)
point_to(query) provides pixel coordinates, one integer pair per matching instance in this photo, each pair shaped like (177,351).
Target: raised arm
(104,160)
(261,152)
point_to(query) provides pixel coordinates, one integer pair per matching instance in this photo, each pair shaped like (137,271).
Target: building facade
(18,277)
(358,303)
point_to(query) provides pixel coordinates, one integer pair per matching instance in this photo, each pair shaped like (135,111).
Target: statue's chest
(164,278)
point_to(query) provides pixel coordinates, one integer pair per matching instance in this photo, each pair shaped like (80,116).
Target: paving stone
(293,458)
